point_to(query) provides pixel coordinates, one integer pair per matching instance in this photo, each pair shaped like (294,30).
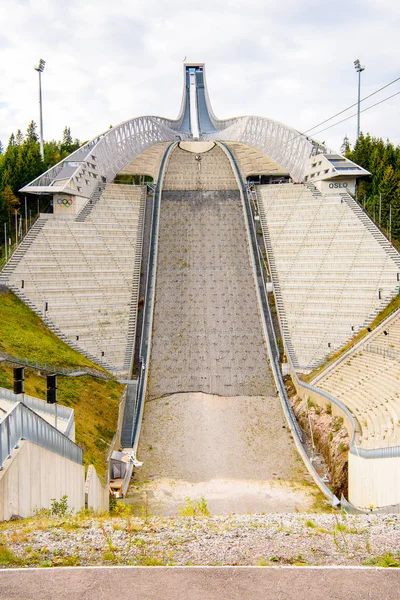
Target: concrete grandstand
(206,325)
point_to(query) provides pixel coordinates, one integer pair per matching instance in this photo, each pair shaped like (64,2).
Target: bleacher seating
(87,275)
(147,162)
(207,172)
(253,162)
(331,272)
(367,381)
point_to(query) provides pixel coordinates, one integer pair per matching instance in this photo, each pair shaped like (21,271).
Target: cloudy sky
(111,60)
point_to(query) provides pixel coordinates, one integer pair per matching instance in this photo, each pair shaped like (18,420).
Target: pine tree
(388,188)
(19,138)
(345,147)
(396,214)
(31,134)
(68,145)
(10,200)
(1,148)
(67,137)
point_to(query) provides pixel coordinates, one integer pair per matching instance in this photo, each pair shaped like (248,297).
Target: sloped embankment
(95,401)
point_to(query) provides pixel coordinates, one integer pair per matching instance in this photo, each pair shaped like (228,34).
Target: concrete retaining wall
(374,482)
(96,495)
(33,476)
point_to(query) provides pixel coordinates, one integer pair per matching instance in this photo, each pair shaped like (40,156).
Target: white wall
(336,185)
(96,495)
(67,205)
(33,476)
(374,482)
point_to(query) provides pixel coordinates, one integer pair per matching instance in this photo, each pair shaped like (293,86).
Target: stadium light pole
(359,68)
(40,69)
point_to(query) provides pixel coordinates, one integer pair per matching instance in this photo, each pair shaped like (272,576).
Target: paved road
(206,583)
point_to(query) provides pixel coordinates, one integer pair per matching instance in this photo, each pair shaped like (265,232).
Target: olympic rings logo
(67,202)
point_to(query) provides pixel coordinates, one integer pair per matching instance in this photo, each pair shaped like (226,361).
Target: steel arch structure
(103,157)
(108,153)
(286,146)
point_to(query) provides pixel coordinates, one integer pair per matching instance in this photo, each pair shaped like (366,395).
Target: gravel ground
(279,539)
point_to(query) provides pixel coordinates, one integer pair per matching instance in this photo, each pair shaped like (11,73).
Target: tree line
(380,191)
(20,163)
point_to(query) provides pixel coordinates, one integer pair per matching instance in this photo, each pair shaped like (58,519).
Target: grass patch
(95,401)
(194,509)
(310,523)
(386,560)
(23,335)
(7,556)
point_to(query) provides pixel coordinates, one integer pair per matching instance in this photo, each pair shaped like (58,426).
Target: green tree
(31,133)
(19,138)
(388,187)
(345,147)
(68,145)
(10,200)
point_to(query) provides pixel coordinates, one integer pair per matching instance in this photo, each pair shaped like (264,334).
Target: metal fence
(63,412)
(67,371)
(22,423)
(382,351)
(145,344)
(271,338)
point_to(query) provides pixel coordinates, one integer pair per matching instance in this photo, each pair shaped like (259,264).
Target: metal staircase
(90,204)
(21,249)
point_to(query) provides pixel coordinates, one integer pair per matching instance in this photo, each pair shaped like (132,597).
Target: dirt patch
(236,452)
(330,438)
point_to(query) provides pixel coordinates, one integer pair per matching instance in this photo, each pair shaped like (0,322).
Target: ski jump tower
(330,268)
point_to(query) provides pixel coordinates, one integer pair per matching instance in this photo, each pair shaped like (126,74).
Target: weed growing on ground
(7,556)
(194,509)
(310,523)
(59,508)
(385,560)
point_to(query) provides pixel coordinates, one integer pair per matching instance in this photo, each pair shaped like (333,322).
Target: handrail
(68,372)
(37,405)
(369,336)
(23,423)
(145,344)
(387,452)
(4,262)
(269,334)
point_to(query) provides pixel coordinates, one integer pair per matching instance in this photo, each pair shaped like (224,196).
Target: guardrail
(68,372)
(5,260)
(269,334)
(367,336)
(382,351)
(145,344)
(22,423)
(63,412)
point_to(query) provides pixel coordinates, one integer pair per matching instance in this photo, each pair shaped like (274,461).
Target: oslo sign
(338,185)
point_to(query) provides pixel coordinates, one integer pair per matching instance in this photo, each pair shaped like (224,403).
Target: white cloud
(110,61)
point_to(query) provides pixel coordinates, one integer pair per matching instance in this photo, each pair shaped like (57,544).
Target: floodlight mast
(359,68)
(40,69)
